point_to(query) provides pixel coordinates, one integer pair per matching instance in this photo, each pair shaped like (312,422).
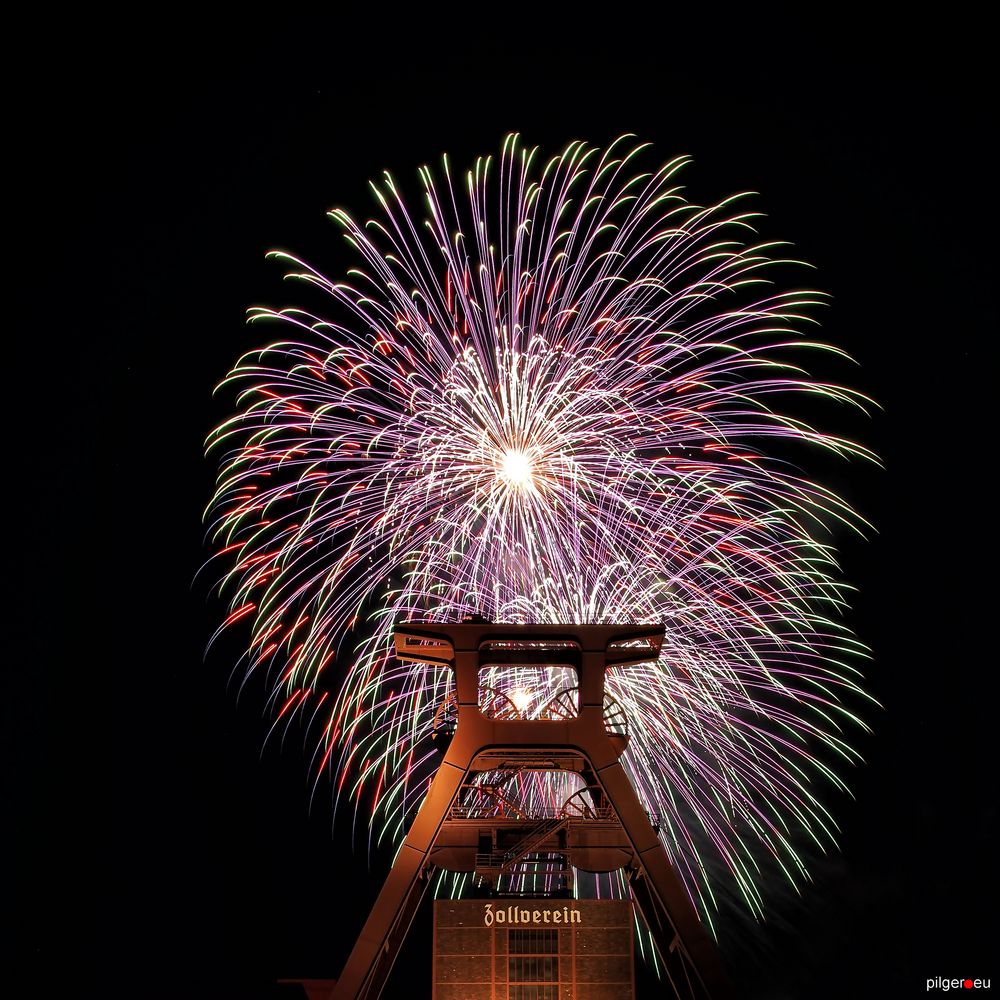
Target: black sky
(159,161)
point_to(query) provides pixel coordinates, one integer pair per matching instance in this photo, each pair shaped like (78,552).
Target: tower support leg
(686,951)
(376,949)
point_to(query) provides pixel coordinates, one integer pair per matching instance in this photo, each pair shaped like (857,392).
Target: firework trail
(556,394)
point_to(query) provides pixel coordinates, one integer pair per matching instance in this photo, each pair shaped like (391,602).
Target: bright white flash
(517,468)
(521,699)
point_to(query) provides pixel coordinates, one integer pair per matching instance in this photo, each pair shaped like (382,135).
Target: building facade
(533,949)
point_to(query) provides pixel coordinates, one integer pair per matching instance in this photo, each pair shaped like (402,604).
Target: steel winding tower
(468,821)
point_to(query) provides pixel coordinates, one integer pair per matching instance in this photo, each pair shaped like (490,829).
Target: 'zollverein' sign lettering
(515,915)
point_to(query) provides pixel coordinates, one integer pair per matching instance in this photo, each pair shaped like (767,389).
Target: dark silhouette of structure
(470,822)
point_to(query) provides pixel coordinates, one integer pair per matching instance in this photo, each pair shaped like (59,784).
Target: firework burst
(560,393)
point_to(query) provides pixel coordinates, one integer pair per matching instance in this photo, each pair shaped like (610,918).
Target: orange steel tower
(469,823)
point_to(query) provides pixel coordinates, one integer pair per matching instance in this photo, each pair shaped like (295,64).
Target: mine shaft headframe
(480,740)
(434,643)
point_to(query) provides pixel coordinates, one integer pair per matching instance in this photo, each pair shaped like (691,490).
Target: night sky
(163,849)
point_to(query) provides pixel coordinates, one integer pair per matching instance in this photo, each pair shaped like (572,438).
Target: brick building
(533,949)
